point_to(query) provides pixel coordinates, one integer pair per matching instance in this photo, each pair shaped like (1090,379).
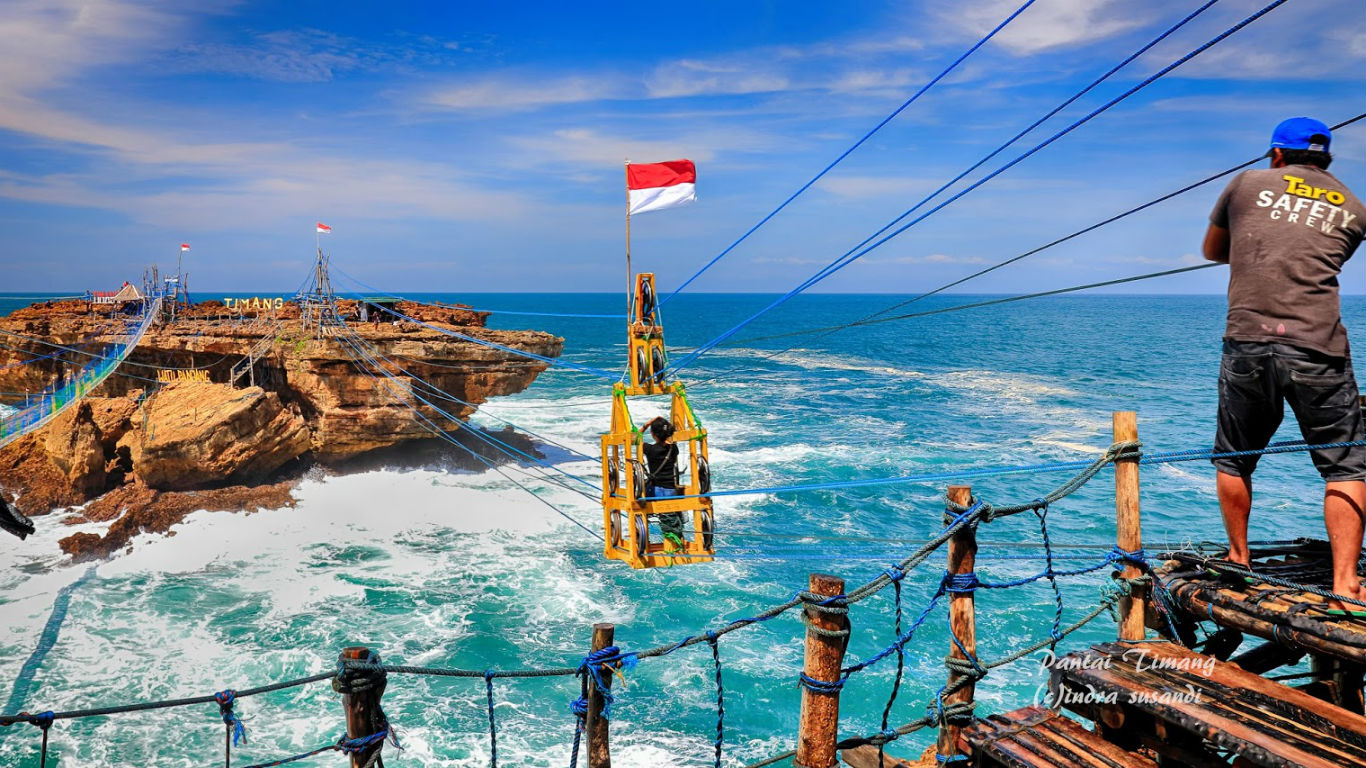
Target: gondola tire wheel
(642,535)
(638,480)
(613,476)
(642,367)
(614,533)
(703,475)
(647,303)
(708,528)
(657,363)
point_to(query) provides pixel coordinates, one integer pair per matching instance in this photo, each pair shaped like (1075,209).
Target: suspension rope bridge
(52,403)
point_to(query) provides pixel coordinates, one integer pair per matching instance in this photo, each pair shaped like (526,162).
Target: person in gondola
(661,458)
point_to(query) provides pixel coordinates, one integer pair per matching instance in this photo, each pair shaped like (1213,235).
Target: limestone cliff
(217,399)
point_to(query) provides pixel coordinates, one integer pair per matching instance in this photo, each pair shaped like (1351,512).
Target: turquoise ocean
(447,566)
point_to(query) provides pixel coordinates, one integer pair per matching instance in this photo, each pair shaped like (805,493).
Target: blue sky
(478,146)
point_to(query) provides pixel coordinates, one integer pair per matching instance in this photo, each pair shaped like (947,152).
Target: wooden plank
(1034,737)
(1201,604)
(866,757)
(1263,721)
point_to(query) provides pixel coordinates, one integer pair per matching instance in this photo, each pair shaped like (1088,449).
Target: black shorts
(1256,379)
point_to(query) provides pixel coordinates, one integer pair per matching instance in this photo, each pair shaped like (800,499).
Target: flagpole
(630,282)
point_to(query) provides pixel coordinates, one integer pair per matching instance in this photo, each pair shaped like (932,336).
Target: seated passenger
(661,456)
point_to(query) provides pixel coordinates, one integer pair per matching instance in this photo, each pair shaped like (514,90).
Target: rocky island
(224,406)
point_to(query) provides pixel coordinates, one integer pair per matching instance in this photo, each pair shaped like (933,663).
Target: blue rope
(900,642)
(960,583)
(1042,513)
(356,341)
(720,694)
(579,707)
(896,575)
(601,662)
(850,150)
(225,701)
(820,686)
(1070,100)
(493,727)
(860,251)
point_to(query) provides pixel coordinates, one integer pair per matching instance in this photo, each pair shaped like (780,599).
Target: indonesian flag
(324,229)
(656,186)
(184,247)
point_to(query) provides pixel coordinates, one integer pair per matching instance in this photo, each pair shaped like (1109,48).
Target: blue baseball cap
(1301,133)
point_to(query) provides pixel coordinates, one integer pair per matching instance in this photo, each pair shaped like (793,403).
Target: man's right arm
(1216,244)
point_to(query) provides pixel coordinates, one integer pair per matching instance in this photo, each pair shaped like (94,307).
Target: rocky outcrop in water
(221,401)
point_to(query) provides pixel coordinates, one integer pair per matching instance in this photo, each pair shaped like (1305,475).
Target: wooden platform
(1035,737)
(1193,710)
(1290,617)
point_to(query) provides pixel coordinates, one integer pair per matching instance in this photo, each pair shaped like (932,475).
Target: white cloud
(1047,24)
(515,92)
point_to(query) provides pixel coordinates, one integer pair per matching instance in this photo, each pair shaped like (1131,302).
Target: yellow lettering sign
(1296,186)
(170,377)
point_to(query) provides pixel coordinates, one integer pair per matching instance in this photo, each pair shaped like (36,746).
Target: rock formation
(194,417)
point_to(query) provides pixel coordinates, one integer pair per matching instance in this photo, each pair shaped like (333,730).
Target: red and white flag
(184,247)
(324,229)
(656,186)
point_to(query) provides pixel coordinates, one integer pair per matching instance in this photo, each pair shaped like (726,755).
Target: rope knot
(894,573)
(607,660)
(819,686)
(42,720)
(361,743)
(579,707)
(961,583)
(359,673)
(1137,558)
(225,701)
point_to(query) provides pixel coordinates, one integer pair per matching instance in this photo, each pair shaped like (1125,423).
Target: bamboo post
(820,716)
(595,725)
(1128,533)
(962,619)
(361,692)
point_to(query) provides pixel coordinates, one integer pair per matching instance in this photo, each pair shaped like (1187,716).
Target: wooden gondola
(628,509)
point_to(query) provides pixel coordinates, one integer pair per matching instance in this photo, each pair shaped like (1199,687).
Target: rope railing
(596,670)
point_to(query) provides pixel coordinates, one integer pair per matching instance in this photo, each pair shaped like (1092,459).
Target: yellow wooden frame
(624,516)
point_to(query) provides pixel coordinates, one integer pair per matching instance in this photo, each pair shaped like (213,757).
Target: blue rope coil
(820,686)
(225,701)
(960,583)
(361,743)
(601,662)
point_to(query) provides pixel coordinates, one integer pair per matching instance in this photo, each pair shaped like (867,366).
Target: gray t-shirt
(1290,231)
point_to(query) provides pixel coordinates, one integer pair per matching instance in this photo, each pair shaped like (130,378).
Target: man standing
(1285,233)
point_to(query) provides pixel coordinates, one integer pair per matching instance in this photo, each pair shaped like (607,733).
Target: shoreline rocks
(174,430)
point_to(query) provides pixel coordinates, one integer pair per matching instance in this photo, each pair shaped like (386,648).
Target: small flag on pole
(656,186)
(324,229)
(184,247)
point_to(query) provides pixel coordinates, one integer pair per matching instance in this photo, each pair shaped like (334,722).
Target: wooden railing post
(361,691)
(595,725)
(1128,532)
(820,718)
(962,619)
